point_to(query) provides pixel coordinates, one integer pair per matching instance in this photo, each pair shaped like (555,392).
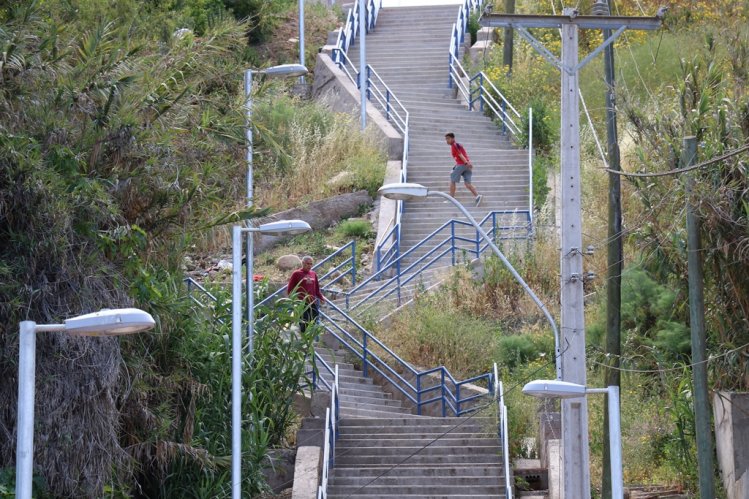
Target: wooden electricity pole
(615,250)
(702,427)
(507,49)
(574,411)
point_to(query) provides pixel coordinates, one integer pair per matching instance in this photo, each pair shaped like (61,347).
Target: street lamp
(565,390)
(103,323)
(281,227)
(409,191)
(280,71)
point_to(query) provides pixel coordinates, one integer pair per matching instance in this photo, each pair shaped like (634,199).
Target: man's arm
(464,155)
(293,283)
(318,291)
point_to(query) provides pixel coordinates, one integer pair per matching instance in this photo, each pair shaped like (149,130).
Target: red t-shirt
(306,285)
(457,150)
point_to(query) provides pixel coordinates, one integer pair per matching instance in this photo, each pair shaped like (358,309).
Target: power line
(678,171)
(669,369)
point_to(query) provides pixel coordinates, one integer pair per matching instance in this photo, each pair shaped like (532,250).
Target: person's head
(307,262)
(450,138)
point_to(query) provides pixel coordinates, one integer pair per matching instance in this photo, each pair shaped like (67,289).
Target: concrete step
(351,460)
(359,387)
(357,398)
(456,480)
(348,404)
(423,490)
(369,414)
(423,422)
(437,472)
(398,441)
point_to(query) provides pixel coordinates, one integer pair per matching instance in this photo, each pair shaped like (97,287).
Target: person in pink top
(463,168)
(304,285)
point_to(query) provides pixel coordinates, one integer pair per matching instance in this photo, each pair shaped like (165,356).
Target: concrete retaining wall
(731,411)
(334,89)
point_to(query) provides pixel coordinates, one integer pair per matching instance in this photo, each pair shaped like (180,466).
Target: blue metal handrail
(396,272)
(502,432)
(332,276)
(370,350)
(332,418)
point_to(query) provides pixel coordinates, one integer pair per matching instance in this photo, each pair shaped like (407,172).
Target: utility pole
(574,411)
(615,250)
(507,49)
(702,428)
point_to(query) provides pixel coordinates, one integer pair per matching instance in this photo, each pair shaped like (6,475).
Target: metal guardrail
(502,435)
(422,388)
(332,416)
(395,271)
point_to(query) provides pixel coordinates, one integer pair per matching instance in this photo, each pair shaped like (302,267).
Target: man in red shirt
(463,168)
(304,285)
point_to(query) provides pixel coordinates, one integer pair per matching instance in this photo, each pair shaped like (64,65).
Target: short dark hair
(450,134)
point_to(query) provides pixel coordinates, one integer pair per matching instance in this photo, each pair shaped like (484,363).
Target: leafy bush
(303,145)
(355,228)
(541,166)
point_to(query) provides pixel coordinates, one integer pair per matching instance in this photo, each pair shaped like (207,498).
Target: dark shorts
(461,171)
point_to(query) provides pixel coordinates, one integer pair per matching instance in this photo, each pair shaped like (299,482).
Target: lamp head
(284,227)
(284,70)
(554,388)
(403,191)
(108,322)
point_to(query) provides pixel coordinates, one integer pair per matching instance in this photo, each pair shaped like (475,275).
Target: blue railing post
(364,355)
(353,263)
(418,394)
(369,75)
(457,400)
(481,91)
(470,94)
(478,244)
(504,116)
(450,70)
(444,401)
(452,240)
(387,104)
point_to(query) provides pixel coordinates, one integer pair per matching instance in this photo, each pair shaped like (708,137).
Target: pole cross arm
(585,22)
(536,44)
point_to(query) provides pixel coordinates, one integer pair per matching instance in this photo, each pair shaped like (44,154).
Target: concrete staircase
(385,451)
(359,397)
(409,50)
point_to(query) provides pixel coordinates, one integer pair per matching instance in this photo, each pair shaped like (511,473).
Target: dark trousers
(309,316)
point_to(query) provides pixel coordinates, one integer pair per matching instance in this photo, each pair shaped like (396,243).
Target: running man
(463,168)
(303,284)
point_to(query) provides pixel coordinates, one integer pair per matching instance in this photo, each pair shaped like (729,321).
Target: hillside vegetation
(121,145)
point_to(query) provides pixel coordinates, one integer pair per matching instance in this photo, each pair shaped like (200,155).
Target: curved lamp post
(103,323)
(409,191)
(564,390)
(281,227)
(280,71)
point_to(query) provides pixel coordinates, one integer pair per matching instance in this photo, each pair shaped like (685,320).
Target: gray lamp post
(104,323)
(281,71)
(407,191)
(565,390)
(280,227)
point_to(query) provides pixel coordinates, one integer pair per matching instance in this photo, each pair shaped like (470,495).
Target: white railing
(331,434)
(502,430)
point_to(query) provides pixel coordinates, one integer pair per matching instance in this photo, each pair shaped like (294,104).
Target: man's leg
(471,188)
(452,188)
(307,318)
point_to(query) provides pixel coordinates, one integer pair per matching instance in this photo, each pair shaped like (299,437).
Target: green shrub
(356,228)
(541,166)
